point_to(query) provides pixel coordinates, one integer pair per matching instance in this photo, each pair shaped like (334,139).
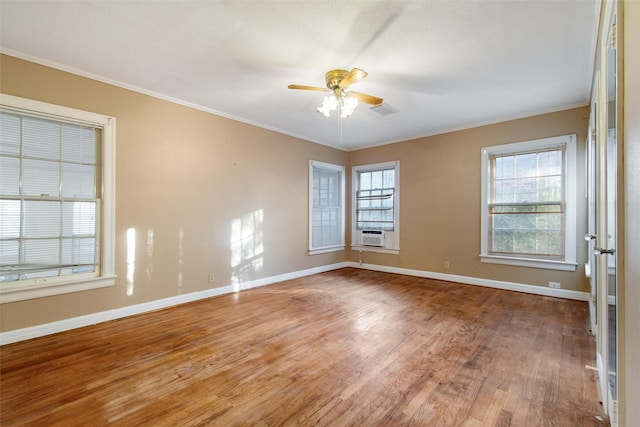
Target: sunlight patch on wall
(247,247)
(131,259)
(149,254)
(180,258)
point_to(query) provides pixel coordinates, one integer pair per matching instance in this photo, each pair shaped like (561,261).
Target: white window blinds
(50,194)
(326,206)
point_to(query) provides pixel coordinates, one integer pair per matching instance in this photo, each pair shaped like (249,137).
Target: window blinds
(50,191)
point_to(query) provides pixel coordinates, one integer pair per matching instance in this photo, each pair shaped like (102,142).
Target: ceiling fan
(337,82)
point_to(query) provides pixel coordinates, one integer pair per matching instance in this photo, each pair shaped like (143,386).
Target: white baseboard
(510,286)
(118,313)
(104,316)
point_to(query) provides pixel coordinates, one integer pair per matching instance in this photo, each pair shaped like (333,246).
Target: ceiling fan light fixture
(349,104)
(329,104)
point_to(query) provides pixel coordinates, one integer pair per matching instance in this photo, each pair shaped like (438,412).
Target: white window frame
(569,142)
(319,249)
(105,275)
(392,238)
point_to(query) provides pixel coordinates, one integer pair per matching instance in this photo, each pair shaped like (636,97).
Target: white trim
(392,238)
(326,250)
(337,146)
(360,248)
(91,319)
(106,276)
(569,141)
(498,284)
(55,288)
(313,250)
(118,313)
(529,262)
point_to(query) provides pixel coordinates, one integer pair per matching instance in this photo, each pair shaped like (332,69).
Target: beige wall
(440,199)
(183,178)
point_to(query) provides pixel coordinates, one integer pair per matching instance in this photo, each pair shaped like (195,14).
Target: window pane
(41,138)
(40,178)
(525,221)
(79,144)
(10,219)
(365,181)
(555,188)
(504,191)
(525,189)
(554,162)
(503,241)
(78,251)
(41,251)
(9,134)
(504,221)
(79,219)
(526,165)
(78,180)
(504,167)
(524,241)
(389,180)
(9,252)
(41,219)
(376,179)
(9,176)
(535,234)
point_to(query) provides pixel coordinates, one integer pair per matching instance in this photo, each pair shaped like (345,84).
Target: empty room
(295,213)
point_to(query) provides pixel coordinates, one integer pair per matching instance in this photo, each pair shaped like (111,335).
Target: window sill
(326,250)
(530,262)
(358,248)
(54,288)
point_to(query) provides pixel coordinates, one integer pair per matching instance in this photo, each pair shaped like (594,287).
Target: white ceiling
(439,65)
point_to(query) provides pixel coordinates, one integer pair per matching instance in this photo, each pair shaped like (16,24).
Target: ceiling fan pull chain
(340,125)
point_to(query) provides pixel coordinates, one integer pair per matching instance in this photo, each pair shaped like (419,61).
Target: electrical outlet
(212,277)
(446,265)
(554,285)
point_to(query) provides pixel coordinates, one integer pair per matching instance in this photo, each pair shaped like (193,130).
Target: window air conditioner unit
(372,238)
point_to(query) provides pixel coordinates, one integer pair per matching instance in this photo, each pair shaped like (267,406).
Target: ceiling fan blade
(303,87)
(354,75)
(367,99)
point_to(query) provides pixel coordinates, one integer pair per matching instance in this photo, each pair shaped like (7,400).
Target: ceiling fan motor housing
(334,77)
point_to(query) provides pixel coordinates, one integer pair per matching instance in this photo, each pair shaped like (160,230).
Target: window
(375,202)
(326,207)
(529,203)
(56,199)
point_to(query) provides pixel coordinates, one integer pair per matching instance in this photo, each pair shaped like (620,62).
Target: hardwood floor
(347,347)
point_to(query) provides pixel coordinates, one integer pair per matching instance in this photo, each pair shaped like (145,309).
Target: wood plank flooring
(347,347)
